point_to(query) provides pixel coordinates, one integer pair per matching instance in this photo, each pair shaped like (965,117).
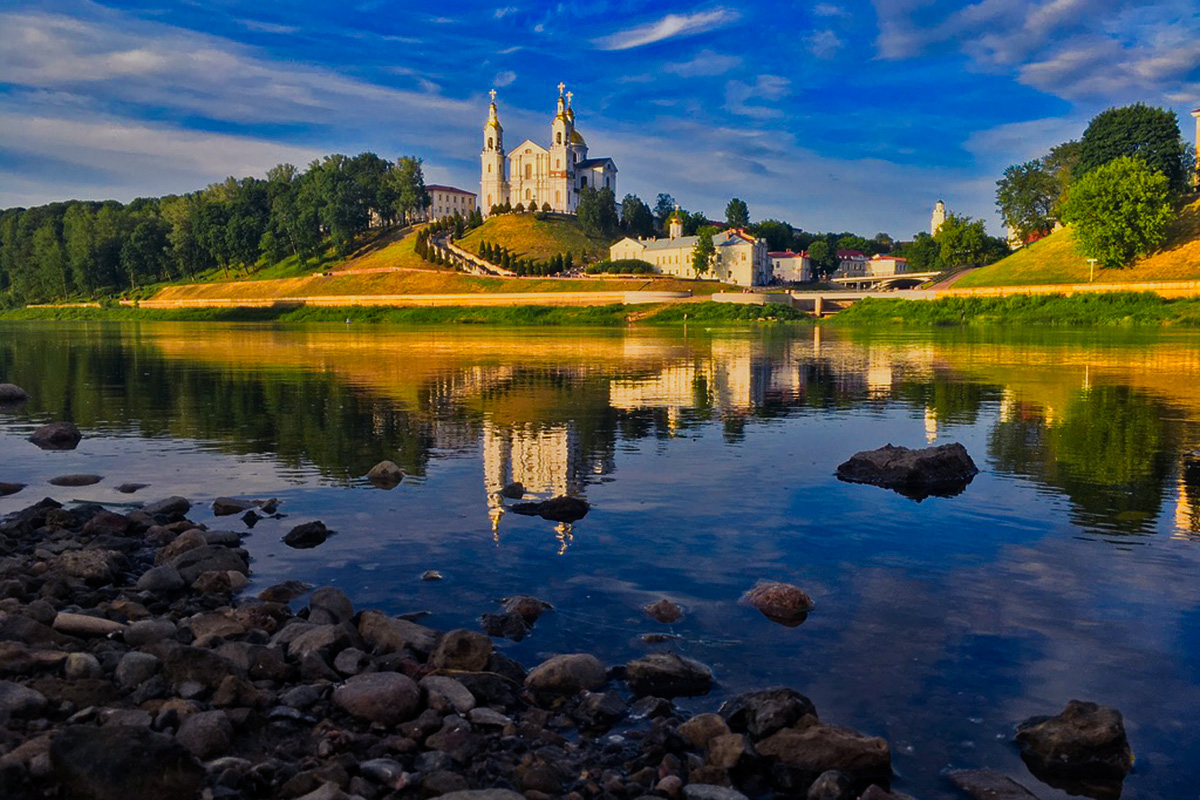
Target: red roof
(429,187)
(891,258)
(851,254)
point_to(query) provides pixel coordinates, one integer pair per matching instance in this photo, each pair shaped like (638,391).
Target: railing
(465,260)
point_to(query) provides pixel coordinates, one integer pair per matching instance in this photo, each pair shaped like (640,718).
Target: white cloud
(767,87)
(504,78)
(671,26)
(824,44)
(704,64)
(267,27)
(501,13)
(829,10)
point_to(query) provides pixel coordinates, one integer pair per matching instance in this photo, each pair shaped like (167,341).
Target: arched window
(558,163)
(526,194)
(491,143)
(559,136)
(557,198)
(528,171)
(489,167)
(489,201)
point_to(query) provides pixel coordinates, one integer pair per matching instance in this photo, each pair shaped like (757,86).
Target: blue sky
(831,115)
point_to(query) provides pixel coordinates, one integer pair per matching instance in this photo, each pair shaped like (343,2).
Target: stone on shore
(556,509)
(76,479)
(1084,742)
(763,712)
(664,611)
(513,491)
(943,471)
(385,475)
(708,791)
(385,697)
(703,728)
(163,578)
(780,602)
(806,753)
(57,436)
(392,635)
(206,734)
(130,488)
(328,605)
(668,675)
(308,535)
(11,394)
(138,764)
(174,506)
(566,675)
(482,794)
(227,506)
(10,488)
(987,784)
(84,625)
(461,650)
(19,701)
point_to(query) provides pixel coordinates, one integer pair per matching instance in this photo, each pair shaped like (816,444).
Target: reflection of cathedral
(1187,506)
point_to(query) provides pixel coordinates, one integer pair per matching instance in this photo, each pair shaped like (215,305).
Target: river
(1067,569)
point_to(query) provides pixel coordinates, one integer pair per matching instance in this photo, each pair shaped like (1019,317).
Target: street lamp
(1091,269)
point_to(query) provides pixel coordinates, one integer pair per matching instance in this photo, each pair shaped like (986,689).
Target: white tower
(561,168)
(493,184)
(1196,176)
(938,218)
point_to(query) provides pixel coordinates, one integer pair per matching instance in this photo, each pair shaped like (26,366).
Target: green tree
(964,242)
(823,256)
(924,254)
(51,261)
(597,211)
(737,213)
(1027,196)
(1139,131)
(704,253)
(778,234)
(1119,211)
(408,179)
(143,253)
(664,205)
(636,217)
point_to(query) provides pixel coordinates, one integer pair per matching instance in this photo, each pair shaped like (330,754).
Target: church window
(558,163)
(489,167)
(559,137)
(583,181)
(526,194)
(489,201)
(528,171)
(558,197)
(491,142)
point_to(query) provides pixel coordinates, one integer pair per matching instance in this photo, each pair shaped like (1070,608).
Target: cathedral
(535,176)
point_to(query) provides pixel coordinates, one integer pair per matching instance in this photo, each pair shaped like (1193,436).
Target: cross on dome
(493,95)
(569,96)
(561,86)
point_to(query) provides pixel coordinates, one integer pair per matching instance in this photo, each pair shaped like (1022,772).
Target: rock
(220,582)
(386,697)
(227,506)
(875,792)
(351,661)
(513,491)
(944,471)
(130,488)
(664,611)
(81,665)
(431,575)
(174,506)
(445,693)
(20,701)
(567,675)
(188,540)
(729,751)
(96,567)
(76,479)
(508,626)
(107,523)
(529,608)
(482,794)
(193,665)
(57,436)
(308,535)
(386,771)
(148,631)
(136,765)
(206,734)
(164,578)
(251,518)
(10,488)
(667,675)
(702,728)
(556,509)
(135,668)
(284,592)
(329,605)
(780,602)
(487,718)
(831,785)
(461,650)
(385,475)
(766,711)
(391,635)
(325,640)
(328,791)
(806,753)
(705,791)
(1086,742)
(11,394)
(985,784)
(209,558)
(214,625)
(84,625)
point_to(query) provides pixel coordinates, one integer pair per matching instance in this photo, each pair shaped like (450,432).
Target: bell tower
(493,184)
(561,169)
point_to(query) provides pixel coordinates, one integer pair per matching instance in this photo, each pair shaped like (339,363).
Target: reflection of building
(1187,506)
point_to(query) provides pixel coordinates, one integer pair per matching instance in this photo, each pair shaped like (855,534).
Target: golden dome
(577,138)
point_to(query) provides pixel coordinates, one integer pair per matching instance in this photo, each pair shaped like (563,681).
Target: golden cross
(493,94)
(561,86)
(569,96)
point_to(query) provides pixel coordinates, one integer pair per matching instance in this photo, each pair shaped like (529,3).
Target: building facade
(938,218)
(740,259)
(851,264)
(789,267)
(446,201)
(541,177)
(879,266)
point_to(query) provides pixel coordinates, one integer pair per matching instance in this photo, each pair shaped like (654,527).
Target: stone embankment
(133,667)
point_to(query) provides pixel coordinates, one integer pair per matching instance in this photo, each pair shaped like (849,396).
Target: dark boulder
(513,491)
(801,755)
(79,479)
(174,506)
(11,394)
(664,611)
(767,711)
(57,436)
(138,764)
(987,784)
(10,488)
(130,488)
(943,471)
(308,535)
(226,506)
(385,475)
(668,675)
(780,602)
(1082,750)
(556,509)
(566,675)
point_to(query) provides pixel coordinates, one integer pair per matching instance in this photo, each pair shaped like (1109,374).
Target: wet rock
(227,506)
(385,475)
(188,540)
(805,753)
(780,602)
(193,665)
(220,582)
(81,665)
(386,697)
(651,708)
(527,607)
(135,668)
(85,625)
(57,436)
(831,785)
(487,718)
(284,592)
(215,625)
(986,784)
(385,771)
(944,471)
(602,709)
(431,575)
(148,631)
(325,640)
(392,635)
(308,535)
(130,488)
(729,751)
(762,713)
(351,661)
(668,675)
(163,578)
(209,558)
(11,394)
(76,479)
(508,626)
(19,701)
(566,675)
(704,791)
(664,611)
(513,491)
(329,605)
(447,694)
(461,650)
(10,488)
(702,728)
(876,792)
(107,523)
(96,567)
(251,518)
(483,794)
(137,765)
(1086,742)
(556,509)
(174,506)
(206,734)
(456,739)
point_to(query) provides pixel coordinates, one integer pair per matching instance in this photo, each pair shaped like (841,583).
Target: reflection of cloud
(672,26)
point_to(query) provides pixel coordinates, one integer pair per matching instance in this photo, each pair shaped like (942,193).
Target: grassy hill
(1055,260)
(529,237)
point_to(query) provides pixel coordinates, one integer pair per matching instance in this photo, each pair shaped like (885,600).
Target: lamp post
(1091,269)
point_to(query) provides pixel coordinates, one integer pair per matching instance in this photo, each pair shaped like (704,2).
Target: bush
(622,266)
(1120,211)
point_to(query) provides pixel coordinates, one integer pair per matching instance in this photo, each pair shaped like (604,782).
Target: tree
(924,254)
(597,211)
(144,251)
(1027,196)
(964,242)
(884,242)
(1060,162)
(778,234)
(704,253)
(1119,211)
(664,204)
(823,256)
(1140,131)
(636,218)
(737,214)
(408,178)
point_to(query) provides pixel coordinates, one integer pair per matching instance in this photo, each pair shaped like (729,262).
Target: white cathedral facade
(536,176)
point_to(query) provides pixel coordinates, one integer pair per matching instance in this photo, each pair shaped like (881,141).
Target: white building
(446,201)
(938,218)
(532,175)
(886,265)
(789,267)
(741,259)
(851,264)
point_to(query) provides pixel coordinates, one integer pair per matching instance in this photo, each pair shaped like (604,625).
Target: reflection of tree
(1108,452)
(951,399)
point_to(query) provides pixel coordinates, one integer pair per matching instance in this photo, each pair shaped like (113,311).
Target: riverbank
(1108,309)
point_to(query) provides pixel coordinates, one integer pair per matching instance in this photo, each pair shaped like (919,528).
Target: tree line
(89,249)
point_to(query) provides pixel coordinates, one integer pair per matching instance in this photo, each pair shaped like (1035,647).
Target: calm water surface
(1068,569)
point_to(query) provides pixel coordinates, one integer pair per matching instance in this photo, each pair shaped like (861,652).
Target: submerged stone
(943,471)
(57,436)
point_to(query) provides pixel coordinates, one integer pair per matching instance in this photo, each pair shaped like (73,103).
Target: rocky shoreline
(131,666)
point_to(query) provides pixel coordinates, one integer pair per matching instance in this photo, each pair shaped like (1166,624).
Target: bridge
(903,280)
